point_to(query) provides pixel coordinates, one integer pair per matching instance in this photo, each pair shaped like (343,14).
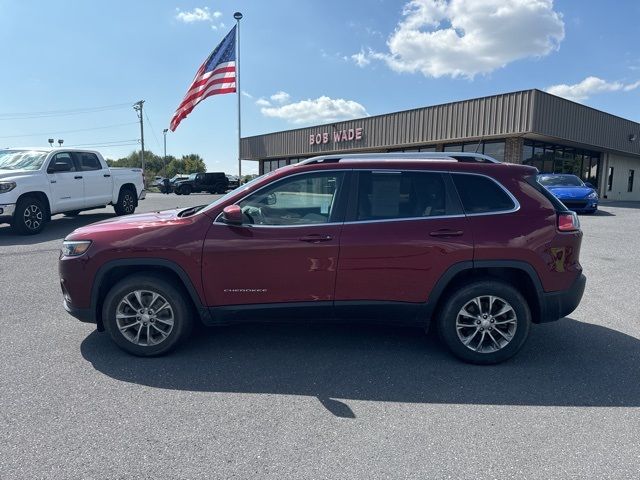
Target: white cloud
(320,110)
(588,87)
(246,94)
(280,97)
(470,37)
(361,59)
(263,102)
(197,15)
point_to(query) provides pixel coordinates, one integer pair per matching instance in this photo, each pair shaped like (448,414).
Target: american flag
(216,76)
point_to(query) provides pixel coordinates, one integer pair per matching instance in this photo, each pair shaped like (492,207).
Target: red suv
(476,246)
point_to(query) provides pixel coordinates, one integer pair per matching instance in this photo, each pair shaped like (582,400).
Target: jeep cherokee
(477,247)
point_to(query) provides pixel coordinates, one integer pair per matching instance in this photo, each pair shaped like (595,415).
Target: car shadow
(567,363)
(599,213)
(58,228)
(620,204)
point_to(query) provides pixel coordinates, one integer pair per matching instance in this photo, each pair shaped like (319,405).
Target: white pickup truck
(38,183)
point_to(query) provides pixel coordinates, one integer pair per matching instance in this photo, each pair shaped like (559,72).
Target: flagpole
(238,17)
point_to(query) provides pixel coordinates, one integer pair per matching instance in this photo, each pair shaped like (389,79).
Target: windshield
(21,159)
(192,176)
(560,181)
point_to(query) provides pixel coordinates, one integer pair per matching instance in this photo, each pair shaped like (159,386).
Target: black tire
(182,321)
(126,204)
(73,213)
(488,351)
(30,216)
(185,190)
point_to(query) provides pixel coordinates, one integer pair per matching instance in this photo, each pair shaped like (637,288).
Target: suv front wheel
(146,316)
(485,322)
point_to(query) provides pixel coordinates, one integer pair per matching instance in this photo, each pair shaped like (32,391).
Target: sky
(72,69)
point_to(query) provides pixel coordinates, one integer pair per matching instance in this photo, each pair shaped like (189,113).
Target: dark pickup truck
(216,182)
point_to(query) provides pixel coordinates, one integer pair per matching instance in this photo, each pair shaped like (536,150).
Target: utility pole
(164,132)
(138,108)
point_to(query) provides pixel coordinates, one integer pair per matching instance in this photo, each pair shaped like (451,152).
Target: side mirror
(590,185)
(59,167)
(232,215)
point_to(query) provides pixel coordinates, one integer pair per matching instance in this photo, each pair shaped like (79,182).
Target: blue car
(574,193)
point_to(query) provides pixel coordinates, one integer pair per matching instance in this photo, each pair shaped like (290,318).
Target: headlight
(593,195)
(72,248)
(7,186)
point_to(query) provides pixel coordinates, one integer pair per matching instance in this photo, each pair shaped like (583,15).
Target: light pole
(164,132)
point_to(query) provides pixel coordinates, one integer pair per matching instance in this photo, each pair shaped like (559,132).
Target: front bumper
(557,305)
(143,195)
(86,315)
(6,212)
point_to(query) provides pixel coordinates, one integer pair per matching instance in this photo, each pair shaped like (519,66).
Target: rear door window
(480,194)
(384,195)
(88,161)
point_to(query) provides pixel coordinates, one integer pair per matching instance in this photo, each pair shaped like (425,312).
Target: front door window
(306,199)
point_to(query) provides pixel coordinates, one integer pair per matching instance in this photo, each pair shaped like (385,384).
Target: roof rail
(403,156)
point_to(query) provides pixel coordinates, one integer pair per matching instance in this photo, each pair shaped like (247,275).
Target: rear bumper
(556,305)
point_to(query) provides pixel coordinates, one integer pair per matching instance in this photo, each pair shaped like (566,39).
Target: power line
(133,141)
(70,131)
(61,113)
(152,129)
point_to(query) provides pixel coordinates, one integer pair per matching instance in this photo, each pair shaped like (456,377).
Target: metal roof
(528,114)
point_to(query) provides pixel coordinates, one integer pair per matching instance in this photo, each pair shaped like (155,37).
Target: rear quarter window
(481,194)
(557,204)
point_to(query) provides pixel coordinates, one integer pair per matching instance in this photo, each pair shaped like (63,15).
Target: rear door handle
(316,238)
(78,177)
(446,233)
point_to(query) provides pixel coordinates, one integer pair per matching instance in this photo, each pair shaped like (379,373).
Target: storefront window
(495,150)
(453,148)
(560,159)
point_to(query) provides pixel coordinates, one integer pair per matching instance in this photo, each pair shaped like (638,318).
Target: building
(530,127)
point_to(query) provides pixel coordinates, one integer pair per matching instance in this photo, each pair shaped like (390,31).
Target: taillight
(568,222)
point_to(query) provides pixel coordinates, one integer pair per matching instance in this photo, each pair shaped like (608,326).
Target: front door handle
(446,233)
(106,175)
(316,238)
(78,177)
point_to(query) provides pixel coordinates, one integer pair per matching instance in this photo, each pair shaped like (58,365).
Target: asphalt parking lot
(319,401)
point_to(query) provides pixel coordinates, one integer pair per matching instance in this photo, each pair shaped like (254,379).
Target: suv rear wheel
(485,322)
(146,315)
(126,202)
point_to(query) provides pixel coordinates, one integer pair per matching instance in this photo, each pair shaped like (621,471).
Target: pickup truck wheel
(484,322)
(185,190)
(30,216)
(126,202)
(146,316)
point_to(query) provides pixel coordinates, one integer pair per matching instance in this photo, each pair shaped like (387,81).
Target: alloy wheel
(145,318)
(33,217)
(128,203)
(486,324)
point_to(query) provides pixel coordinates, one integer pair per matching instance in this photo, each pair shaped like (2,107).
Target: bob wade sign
(339,136)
